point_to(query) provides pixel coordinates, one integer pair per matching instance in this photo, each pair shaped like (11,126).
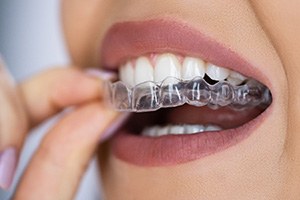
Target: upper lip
(131,39)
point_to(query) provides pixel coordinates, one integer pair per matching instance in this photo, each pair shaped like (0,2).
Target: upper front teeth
(126,74)
(168,65)
(143,70)
(192,67)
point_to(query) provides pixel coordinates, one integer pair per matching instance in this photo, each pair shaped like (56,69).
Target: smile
(190,96)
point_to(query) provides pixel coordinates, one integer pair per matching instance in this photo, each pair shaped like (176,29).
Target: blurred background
(31,40)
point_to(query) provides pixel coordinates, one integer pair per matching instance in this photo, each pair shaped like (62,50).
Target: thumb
(61,159)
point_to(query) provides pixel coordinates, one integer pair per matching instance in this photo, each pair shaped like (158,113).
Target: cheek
(82,24)
(281,22)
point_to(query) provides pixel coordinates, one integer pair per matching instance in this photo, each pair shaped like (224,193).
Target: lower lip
(177,149)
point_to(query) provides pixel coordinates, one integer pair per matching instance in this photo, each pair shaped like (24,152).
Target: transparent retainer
(172,92)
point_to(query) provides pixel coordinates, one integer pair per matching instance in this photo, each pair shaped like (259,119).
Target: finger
(48,93)
(64,154)
(13,126)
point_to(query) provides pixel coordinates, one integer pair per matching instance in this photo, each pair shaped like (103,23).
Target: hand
(63,155)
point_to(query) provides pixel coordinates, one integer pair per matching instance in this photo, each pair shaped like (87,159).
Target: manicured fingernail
(105,75)
(8,162)
(114,126)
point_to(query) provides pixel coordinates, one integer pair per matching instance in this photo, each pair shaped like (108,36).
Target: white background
(30,41)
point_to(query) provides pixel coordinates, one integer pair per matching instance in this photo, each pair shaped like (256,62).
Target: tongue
(224,117)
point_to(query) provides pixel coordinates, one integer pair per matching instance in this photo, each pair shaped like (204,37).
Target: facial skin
(265,32)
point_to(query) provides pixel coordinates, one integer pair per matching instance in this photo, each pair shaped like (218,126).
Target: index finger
(49,92)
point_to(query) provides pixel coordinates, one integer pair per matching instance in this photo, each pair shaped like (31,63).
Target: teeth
(166,65)
(150,131)
(143,70)
(162,131)
(176,129)
(156,131)
(126,74)
(235,78)
(216,73)
(213,128)
(194,128)
(192,67)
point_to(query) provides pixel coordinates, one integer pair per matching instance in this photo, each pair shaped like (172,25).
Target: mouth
(189,95)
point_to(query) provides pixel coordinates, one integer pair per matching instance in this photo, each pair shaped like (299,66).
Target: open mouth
(189,95)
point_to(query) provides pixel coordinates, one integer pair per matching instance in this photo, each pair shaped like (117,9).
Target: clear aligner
(172,92)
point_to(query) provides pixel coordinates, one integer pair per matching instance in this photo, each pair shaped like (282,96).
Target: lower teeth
(171,92)
(156,131)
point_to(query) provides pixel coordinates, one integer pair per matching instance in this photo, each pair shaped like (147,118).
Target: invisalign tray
(172,92)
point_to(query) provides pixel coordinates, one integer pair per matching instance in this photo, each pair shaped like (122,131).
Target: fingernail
(98,73)
(8,162)
(114,126)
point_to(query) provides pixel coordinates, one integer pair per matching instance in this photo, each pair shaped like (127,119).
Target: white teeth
(217,73)
(162,131)
(176,129)
(156,131)
(194,128)
(213,128)
(143,70)
(192,67)
(126,74)
(235,78)
(166,65)
(150,131)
